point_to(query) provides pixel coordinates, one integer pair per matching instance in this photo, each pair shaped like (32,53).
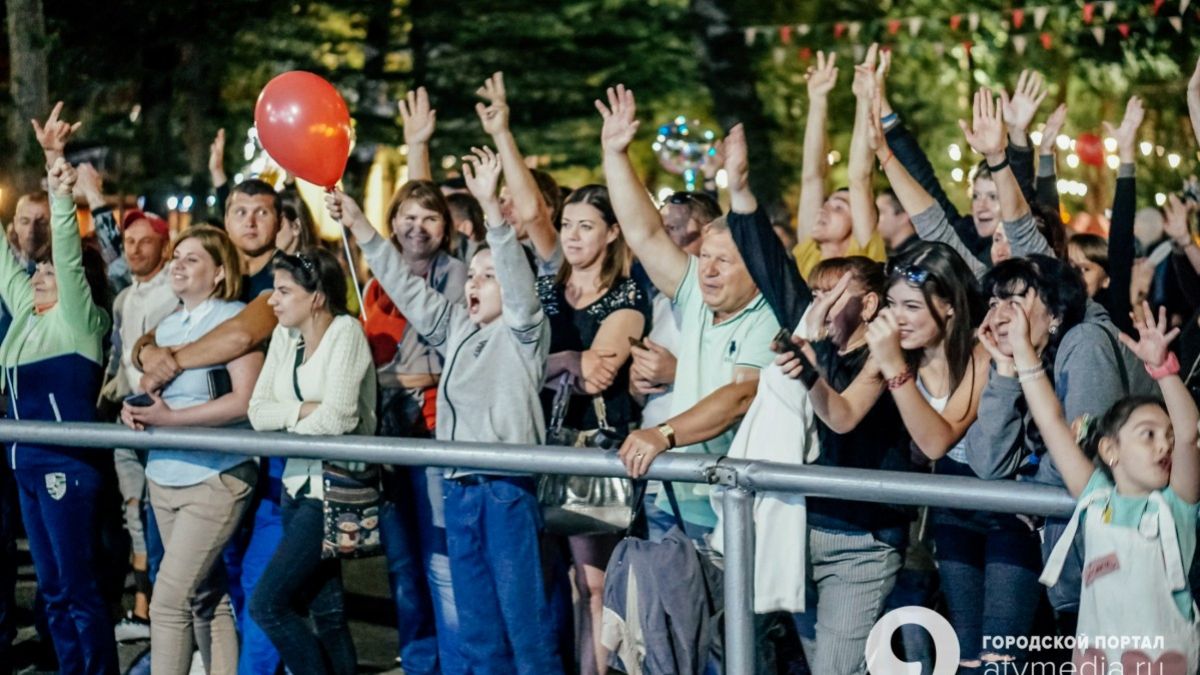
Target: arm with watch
(709,418)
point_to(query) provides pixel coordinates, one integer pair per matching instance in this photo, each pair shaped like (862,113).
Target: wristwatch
(668,433)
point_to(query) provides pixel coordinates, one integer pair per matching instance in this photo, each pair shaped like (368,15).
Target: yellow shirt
(808,252)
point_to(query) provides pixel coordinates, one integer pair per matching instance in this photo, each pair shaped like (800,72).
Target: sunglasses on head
(910,273)
(682,197)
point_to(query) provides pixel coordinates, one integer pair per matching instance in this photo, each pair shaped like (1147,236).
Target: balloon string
(362,307)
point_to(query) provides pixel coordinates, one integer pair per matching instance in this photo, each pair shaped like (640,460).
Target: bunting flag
(1039,16)
(859,52)
(839,29)
(1158,5)
(893,26)
(778,54)
(973,21)
(855,29)
(955,21)
(785,35)
(750,33)
(1124,28)
(1089,11)
(805,53)
(1018,18)
(939,49)
(1108,7)
(914,25)
(1098,33)
(1047,41)
(1176,23)
(967,44)
(803,29)
(1019,43)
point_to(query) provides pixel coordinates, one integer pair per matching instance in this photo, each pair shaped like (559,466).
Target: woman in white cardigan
(318,380)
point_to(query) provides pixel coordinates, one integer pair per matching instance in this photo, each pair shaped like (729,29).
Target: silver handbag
(578,505)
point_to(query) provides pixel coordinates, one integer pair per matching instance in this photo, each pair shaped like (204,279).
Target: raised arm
(531,211)
(861,169)
(640,221)
(1021,108)
(429,312)
(821,80)
(1046,182)
(54,134)
(1176,226)
(986,135)
(419,122)
(1124,210)
(74,292)
(766,259)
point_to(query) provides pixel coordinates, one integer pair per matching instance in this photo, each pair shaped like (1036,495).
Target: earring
(1112,462)
(1054,329)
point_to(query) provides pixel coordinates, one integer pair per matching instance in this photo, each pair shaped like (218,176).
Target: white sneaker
(197,664)
(132,629)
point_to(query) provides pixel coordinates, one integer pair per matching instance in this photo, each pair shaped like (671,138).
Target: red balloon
(304,124)
(1090,149)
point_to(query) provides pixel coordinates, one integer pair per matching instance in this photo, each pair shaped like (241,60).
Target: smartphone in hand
(140,401)
(782,344)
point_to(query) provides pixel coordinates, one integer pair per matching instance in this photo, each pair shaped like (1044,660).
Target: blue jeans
(492,525)
(412,523)
(9,515)
(58,507)
(298,582)
(258,655)
(989,575)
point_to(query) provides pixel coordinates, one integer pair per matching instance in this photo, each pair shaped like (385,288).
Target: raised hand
(864,73)
(883,338)
(494,115)
(1153,336)
(1193,88)
(620,119)
(1054,125)
(89,185)
(986,132)
(1024,353)
(1029,94)
(1126,134)
(481,171)
(54,134)
(822,77)
(1175,222)
(823,304)
(714,161)
(881,75)
(876,140)
(61,178)
(419,119)
(216,159)
(737,159)
(991,343)
(346,211)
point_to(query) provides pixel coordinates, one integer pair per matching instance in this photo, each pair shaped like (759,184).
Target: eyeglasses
(910,273)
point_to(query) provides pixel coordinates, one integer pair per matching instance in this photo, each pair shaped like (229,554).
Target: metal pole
(738,516)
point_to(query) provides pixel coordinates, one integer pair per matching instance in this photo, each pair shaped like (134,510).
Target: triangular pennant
(1089,11)
(955,21)
(1039,16)
(1047,40)
(1018,18)
(967,44)
(803,29)
(859,52)
(1019,43)
(1124,28)
(855,29)
(972,21)
(750,33)
(778,54)
(1158,5)
(1176,23)
(785,35)
(839,29)
(893,26)
(939,49)
(1183,5)
(1108,7)
(1098,33)
(805,53)
(914,25)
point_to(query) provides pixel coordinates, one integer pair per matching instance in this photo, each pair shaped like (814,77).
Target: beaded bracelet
(900,380)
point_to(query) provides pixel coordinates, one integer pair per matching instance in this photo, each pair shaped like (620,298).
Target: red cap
(156,222)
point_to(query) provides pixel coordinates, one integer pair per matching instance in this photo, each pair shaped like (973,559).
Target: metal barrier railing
(741,478)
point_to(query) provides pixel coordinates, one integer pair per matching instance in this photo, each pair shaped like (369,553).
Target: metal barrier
(741,478)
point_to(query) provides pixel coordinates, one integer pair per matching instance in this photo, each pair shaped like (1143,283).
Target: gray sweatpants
(849,578)
(131,481)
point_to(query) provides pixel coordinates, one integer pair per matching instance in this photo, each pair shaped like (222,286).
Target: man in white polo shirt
(726,326)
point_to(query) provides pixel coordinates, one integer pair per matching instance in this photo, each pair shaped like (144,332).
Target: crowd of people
(891,332)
